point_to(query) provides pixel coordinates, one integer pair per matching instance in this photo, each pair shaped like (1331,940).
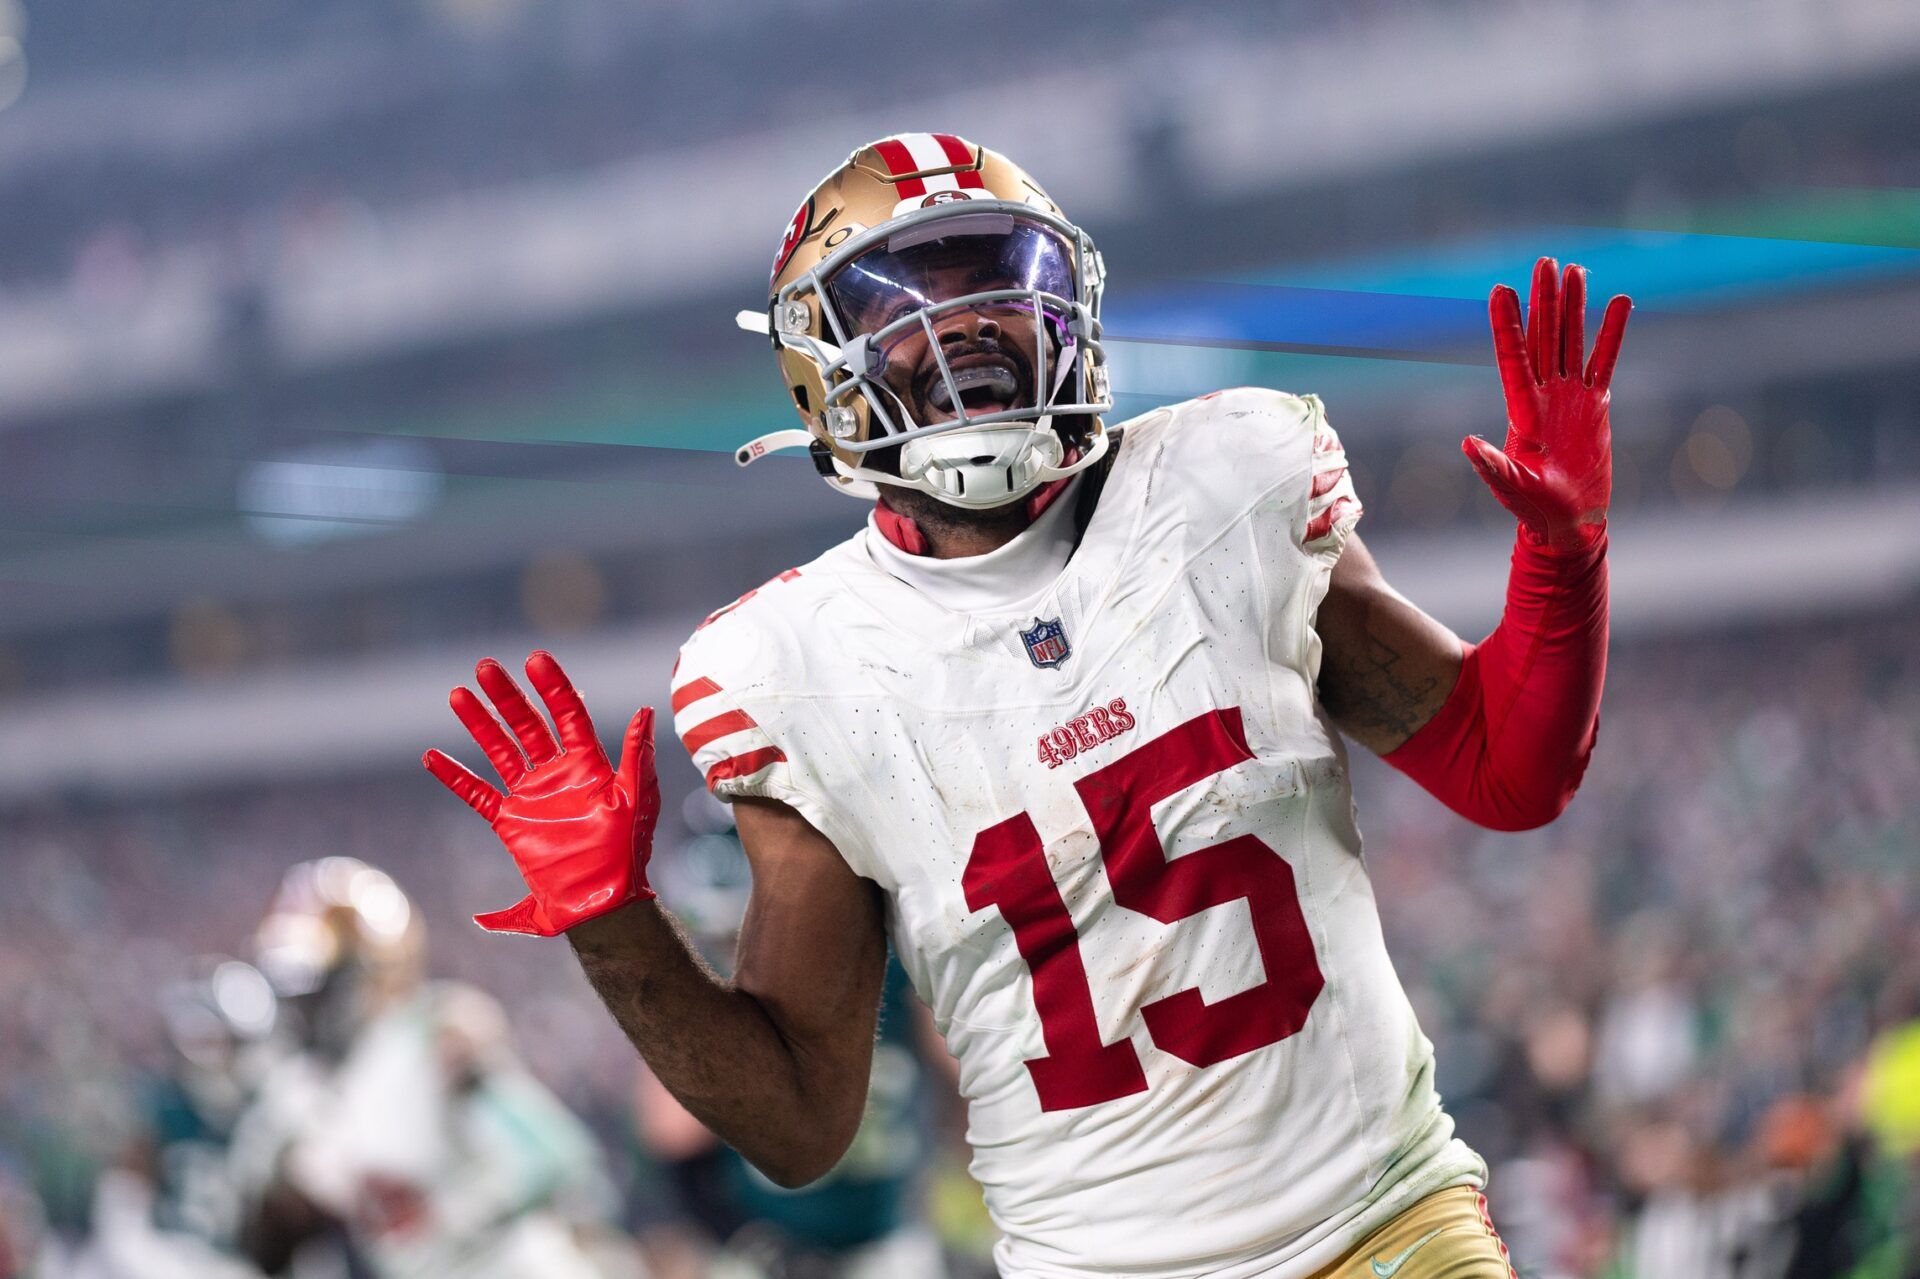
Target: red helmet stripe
(959,153)
(899,160)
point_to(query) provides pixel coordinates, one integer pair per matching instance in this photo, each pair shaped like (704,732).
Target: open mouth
(986,385)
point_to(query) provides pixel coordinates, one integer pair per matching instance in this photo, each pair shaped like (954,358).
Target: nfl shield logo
(1046,643)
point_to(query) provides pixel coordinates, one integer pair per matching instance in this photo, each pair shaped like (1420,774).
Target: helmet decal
(796,232)
(912,158)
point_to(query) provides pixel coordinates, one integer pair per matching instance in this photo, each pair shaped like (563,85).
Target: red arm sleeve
(1508,748)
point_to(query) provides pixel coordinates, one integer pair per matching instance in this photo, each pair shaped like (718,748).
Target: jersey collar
(904,534)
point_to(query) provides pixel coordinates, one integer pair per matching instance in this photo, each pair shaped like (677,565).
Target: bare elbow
(799,1158)
(795,1176)
(801,1166)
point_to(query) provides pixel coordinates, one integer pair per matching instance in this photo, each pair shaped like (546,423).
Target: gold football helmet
(340,942)
(914,237)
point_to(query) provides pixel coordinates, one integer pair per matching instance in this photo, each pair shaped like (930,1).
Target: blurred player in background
(176,1207)
(400,1122)
(1062,720)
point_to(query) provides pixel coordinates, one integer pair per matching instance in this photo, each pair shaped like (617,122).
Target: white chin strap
(974,469)
(982,468)
(995,464)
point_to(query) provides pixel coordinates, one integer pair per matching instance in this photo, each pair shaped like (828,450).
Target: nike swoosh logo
(1388,1269)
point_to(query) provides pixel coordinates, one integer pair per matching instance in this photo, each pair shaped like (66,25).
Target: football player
(1064,721)
(407,1124)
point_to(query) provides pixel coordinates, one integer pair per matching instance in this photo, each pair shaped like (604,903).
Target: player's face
(991,348)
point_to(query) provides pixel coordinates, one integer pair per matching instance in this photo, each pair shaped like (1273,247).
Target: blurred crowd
(413,100)
(152,137)
(1671,1020)
(1682,1023)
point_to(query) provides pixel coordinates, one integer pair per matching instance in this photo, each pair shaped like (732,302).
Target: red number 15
(1008,871)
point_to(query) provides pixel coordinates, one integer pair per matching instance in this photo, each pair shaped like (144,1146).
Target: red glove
(1509,747)
(580,833)
(1556,472)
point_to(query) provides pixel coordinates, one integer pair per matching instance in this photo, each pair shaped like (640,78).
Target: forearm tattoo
(1377,694)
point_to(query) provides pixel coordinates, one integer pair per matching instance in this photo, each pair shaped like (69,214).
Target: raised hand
(1556,472)
(580,832)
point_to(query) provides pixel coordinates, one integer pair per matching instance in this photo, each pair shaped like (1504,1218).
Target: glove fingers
(1510,351)
(1606,347)
(501,751)
(458,778)
(1543,319)
(1573,320)
(524,916)
(514,708)
(637,778)
(564,704)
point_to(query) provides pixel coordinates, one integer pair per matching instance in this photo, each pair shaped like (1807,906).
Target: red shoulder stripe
(743,765)
(692,691)
(719,726)
(1325,480)
(1322,524)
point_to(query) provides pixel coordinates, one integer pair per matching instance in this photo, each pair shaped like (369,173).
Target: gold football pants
(1447,1235)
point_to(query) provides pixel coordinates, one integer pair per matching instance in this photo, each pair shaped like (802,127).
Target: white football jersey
(1119,855)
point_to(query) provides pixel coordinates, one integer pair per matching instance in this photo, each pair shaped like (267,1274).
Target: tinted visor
(952,258)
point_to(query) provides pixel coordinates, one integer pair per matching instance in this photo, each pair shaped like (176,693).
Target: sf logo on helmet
(944,197)
(796,232)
